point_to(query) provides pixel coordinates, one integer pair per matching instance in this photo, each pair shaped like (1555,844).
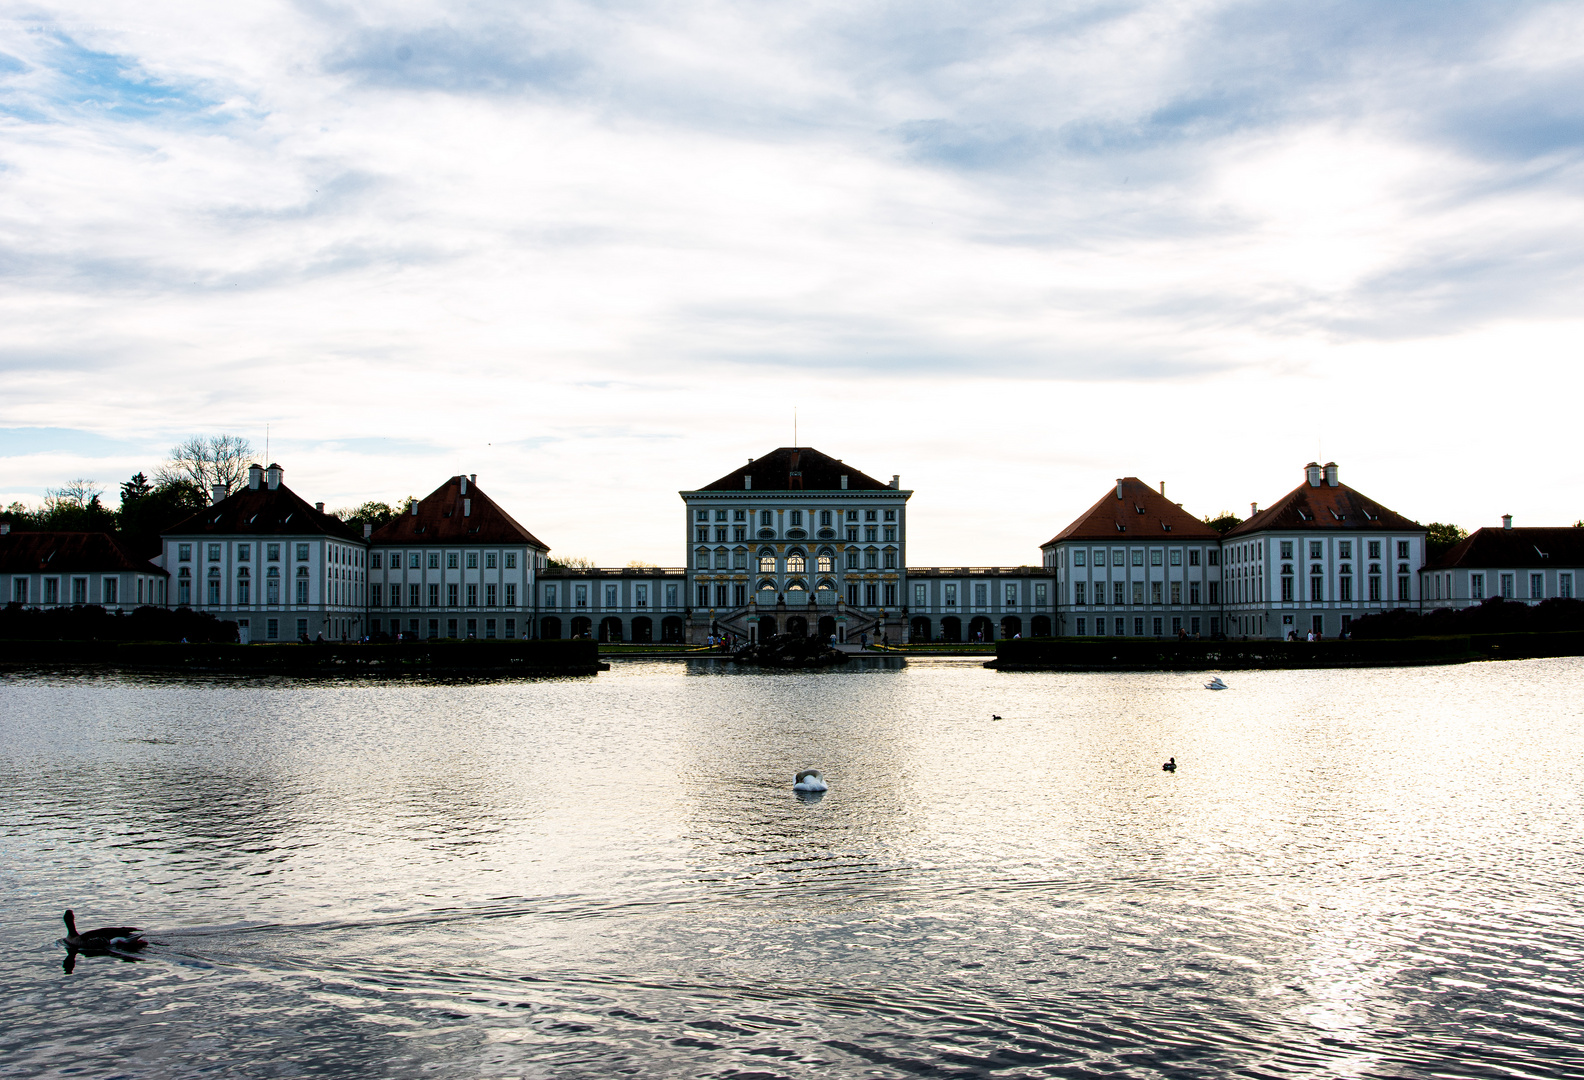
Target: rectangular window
(919,594)
(671,596)
(511,594)
(890,594)
(451,596)
(412,560)
(271,629)
(951,595)
(1215,592)
(1138,557)
(1040,593)
(852,560)
(511,564)
(1081,628)
(1316,549)
(1287,588)
(1155,626)
(511,629)
(302,552)
(1078,556)
(872,559)
(1536,586)
(1138,627)
(434,628)
(184,553)
(890,558)
(580,596)
(1078,593)
(1011,596)
(1287,549)
(1155,592)
(610,596)
(1374,549)
(1117,598)
(871,595)
(489,627)
(1213,558)
(374,595)
(1155,557)
(703,596)
(1099,557)
(1507,586)
(412,595)
(702,515)
(1176,557)
(981,594)
(1345,551)
(472,594)
(1565,585)
(1100,627)
(869,515)
(1402,549)
(214,591)
(1375,587)
(1176,592)
(1193,593)
(244,552)
(376,561)
(451,564)
(1117,557)
(1138,593)
(1345,588)
(451,628)
(1193,557)
(434,595)
(1316,590)
(550,596)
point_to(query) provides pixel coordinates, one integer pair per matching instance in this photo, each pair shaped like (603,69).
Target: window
(640,596)
(1213,558)
(1316,588)
(434,560)
(890,594)
(1176,592)
(1375,582)
(302,552)
(1082,626)
(511,564)
(981,594)
(794,563)
(1402,549)
(489,627)
(214,588)
(610,596)
(1155,557)
(472,595)
(1155,626)
(412,595)
(702,515)
(852,515)
(1176,557)
(1117,597)
(1138,557)
(795,519)
(110,590)
(451,562)
(1193,557)
(1099,557)
(766,519)
(1078,593)
(1040,593)
(871,595)
(1403,589)
(451,628)
(1506,586)
(951,595)
(1011,596)
(1316,549)
(1536,586)
(767,564)
(871,534)
(412,560)
(1374,549)
(869,515)
(434,595)
(550,596)
(872,559)
(511,594)
(742,515)
(374,595)
(703,596)
(1138,627)
(826,564)
(720,515)
(1345,586)
(489,560)
(1344,549)
(244,552)
(1138,593)
(184,553)
(511,628)
(1078,557)
(852,534)
(1193,593)
(720,535)
(671,596)
(890,559)
(1155,592)
(1100,627)
(740,560)
(580,596)
(890,515)
(1565,585)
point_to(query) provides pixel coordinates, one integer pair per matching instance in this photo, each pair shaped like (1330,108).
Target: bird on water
(1170,766)
(122,938)
(810,780)
(993,716)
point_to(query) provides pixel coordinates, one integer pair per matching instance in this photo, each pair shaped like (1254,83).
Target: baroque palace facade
(795,542)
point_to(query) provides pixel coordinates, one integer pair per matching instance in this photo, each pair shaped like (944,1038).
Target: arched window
(826,561)
(795,563)
(767,587)
(827,583)
(767,563)
(797,585)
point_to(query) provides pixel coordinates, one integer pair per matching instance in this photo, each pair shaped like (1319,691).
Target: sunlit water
(1353,873)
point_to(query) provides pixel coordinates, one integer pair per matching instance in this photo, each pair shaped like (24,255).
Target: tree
(207,461)
(371,513)
(639,564)
(75,507)
(1224,522)
(135,488)
(168,503)
(1441,538)
(570,562)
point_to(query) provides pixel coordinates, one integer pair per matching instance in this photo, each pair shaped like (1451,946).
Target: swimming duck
(1170,766)
(124,938)
(993,716)
(810,780)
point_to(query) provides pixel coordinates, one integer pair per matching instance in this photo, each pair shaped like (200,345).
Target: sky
(597,253)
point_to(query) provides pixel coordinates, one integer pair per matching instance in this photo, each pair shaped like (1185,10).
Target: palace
(798,542)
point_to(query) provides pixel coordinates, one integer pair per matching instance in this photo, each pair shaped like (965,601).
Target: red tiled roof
(447,516)
(1141,513)
(1534,548)
(68,552)
(796,468)
(263,511)
(1326,507)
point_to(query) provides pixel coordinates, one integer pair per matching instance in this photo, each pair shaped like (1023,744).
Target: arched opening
(581,626)
(1011,626)
(920,629)
(827,627)
(981,629)
(643,629)
(797,626)
(767,627)
(550,627)
(610,629)
(671,629)
(1040,626)
(951,628)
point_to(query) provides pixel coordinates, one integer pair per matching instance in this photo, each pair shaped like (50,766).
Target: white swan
(1215,684)
(810,780)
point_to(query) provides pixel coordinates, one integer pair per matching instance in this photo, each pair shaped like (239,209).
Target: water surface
(1369,873)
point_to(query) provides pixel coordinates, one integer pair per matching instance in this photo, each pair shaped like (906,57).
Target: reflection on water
(1351,874)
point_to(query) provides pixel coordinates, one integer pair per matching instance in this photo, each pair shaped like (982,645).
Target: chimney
(1253,509)
(463,480)
(473,478)
(272,475)
(1312,471)
(1507,521)
(217,492)
(896,481)
(319,506)
(255,476)
(5,528)
(467,507)
(415,508)
(1119,487)
(367,529)
(844,483)
(1331,474)
(1163,489)
(747,482)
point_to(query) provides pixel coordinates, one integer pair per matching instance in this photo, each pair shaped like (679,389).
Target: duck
(1170,766)
(123,938)
(993,716)
(810,780)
